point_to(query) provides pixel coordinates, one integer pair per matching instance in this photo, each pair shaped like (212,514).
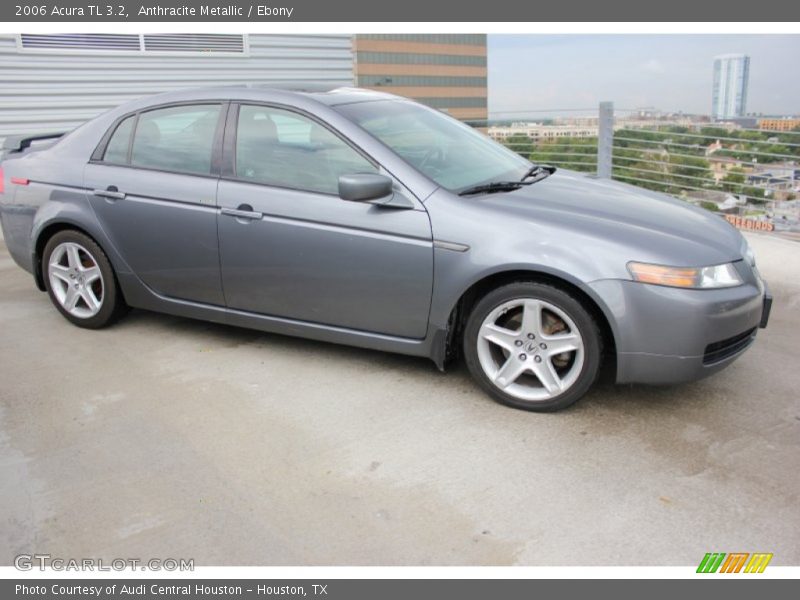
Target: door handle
(110,192)
(244,211)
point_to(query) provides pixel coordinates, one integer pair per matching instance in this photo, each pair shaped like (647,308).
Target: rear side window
(117,148)
(179,138)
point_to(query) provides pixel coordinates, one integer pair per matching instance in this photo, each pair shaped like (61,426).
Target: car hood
(658,226)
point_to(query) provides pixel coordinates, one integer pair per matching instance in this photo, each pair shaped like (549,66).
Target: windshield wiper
(496,186)
(538,172)
(534,174)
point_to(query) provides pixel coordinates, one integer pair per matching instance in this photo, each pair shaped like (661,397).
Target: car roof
(286,93)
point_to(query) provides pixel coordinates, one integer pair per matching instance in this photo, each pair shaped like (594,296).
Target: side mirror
(365,187)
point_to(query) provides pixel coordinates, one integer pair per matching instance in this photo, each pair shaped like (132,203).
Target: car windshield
(453,154)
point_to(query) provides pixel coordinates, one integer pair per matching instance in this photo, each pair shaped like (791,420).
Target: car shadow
(605,399)
(219,335)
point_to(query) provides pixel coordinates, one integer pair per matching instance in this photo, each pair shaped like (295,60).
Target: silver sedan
(361,218)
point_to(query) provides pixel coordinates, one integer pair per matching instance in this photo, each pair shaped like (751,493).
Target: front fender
(473,243)
(452,283)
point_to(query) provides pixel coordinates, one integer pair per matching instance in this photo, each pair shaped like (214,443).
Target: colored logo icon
(734,562)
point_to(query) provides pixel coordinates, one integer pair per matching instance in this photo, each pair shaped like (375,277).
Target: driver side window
(285,149)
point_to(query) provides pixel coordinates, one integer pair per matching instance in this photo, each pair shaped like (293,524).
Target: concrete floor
(165,437)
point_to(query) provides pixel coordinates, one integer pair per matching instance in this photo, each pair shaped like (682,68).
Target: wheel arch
(463,306)
(44,234)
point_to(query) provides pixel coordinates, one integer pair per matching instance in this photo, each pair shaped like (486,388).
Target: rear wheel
(532,346)
(80,281)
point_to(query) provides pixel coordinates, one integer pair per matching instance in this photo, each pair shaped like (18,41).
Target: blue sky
(669,72)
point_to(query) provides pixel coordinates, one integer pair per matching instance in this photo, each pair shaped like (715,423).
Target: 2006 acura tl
(362,218)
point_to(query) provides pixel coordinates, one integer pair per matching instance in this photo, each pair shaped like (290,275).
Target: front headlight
(717,276)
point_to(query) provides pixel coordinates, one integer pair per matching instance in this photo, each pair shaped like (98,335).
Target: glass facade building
(729,95)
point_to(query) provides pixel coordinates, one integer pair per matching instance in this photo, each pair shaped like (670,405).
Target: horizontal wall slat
(47,89)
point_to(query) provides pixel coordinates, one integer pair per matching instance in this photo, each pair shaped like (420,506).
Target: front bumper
(669,335)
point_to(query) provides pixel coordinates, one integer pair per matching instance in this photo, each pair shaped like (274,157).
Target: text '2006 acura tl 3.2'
(361,218)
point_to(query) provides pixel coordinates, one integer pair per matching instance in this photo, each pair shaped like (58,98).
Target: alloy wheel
(76,280)
(530,349)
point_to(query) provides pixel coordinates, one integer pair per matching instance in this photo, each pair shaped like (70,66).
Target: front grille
(726,348)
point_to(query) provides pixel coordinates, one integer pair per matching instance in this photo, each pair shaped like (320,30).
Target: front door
(291,248)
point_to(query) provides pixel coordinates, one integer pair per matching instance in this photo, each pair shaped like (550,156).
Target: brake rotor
(551,325)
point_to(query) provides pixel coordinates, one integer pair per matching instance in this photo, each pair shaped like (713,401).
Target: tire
(80,280)
(518,362)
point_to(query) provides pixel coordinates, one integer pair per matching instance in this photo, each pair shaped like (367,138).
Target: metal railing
(743,171)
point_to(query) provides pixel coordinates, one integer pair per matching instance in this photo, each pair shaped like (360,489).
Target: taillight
(14,180)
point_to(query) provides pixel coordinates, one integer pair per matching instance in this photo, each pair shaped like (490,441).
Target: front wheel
(80,281)
(532,346)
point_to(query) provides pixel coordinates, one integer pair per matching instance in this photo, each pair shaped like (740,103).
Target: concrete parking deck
(166,437)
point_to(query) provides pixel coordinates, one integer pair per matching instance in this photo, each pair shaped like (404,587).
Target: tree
(578,154)
(521,144)
(733,180)
(709,206)
(690,171)
(755,195)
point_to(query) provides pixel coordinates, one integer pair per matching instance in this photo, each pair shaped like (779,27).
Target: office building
(444,71)
(55,82)
(779,124)
(729,95)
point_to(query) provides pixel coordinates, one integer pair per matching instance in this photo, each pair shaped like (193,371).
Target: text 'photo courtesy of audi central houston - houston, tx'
(362,218)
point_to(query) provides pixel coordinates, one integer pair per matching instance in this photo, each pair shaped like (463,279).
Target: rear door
(290,247)
(153,187)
